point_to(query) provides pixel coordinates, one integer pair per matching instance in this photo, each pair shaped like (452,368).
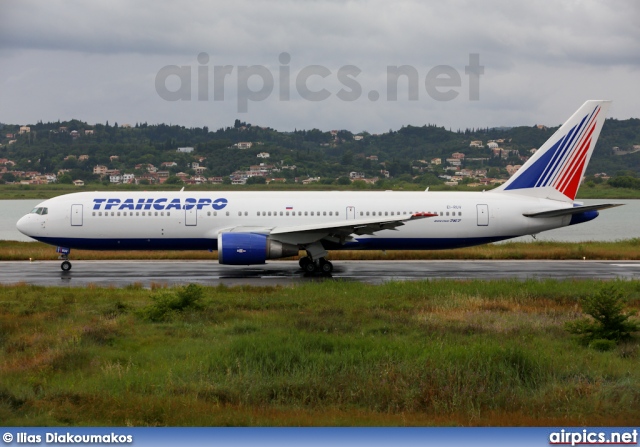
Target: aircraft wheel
(65,266)
(326,266)
(303,262)
(310,267)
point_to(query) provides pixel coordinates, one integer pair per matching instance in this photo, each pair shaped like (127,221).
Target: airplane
(252,227)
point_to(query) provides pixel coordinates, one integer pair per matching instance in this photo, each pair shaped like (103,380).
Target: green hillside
(405,154)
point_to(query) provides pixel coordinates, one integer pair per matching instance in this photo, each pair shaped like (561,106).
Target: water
(10,212)
(612,224)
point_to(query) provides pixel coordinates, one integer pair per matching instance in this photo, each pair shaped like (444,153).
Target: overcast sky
(127,62)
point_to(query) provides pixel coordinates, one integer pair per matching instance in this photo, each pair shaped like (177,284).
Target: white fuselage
(194,220)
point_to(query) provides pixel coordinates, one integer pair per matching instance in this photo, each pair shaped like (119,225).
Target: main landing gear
(318,266)
(315,261)
(64,256)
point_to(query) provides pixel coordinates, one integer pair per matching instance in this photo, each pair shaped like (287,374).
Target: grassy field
(318,354)
(620,250)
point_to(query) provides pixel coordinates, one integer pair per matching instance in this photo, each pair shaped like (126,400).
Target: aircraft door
(351,213)
(191,217)
(76,215)
(483,215)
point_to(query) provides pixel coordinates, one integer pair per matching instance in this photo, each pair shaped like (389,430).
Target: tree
(256,180)
(347,158)
(608,321)
(173,180)
(65,179)
(8,177)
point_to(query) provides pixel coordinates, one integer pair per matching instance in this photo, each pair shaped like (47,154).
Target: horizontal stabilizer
(571,211)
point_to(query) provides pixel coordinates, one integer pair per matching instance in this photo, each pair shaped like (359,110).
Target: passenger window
(93,214)
(287,213)
(227,213)
(281,213)
(240,213)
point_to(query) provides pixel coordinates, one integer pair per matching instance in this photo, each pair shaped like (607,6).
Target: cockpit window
(40,210)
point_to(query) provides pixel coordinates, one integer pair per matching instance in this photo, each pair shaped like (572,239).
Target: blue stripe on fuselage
(212,244)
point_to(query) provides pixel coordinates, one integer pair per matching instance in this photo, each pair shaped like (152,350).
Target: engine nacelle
(251,248)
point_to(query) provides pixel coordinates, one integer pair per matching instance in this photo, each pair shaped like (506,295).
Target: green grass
(329,353)
(621,250)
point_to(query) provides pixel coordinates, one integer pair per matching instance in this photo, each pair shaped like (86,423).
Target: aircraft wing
(339,232)
(570,211)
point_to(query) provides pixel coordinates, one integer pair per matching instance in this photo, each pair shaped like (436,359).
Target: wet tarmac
(148,273)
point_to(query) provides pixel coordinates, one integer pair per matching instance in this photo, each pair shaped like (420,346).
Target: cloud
(94,60)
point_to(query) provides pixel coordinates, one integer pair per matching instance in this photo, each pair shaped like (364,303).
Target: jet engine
(251,248)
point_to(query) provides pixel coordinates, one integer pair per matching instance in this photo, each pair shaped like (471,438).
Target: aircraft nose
(23,225)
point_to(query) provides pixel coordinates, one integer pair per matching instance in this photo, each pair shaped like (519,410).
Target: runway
(148,273)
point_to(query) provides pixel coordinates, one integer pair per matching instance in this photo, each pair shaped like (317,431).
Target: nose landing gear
(63,254)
